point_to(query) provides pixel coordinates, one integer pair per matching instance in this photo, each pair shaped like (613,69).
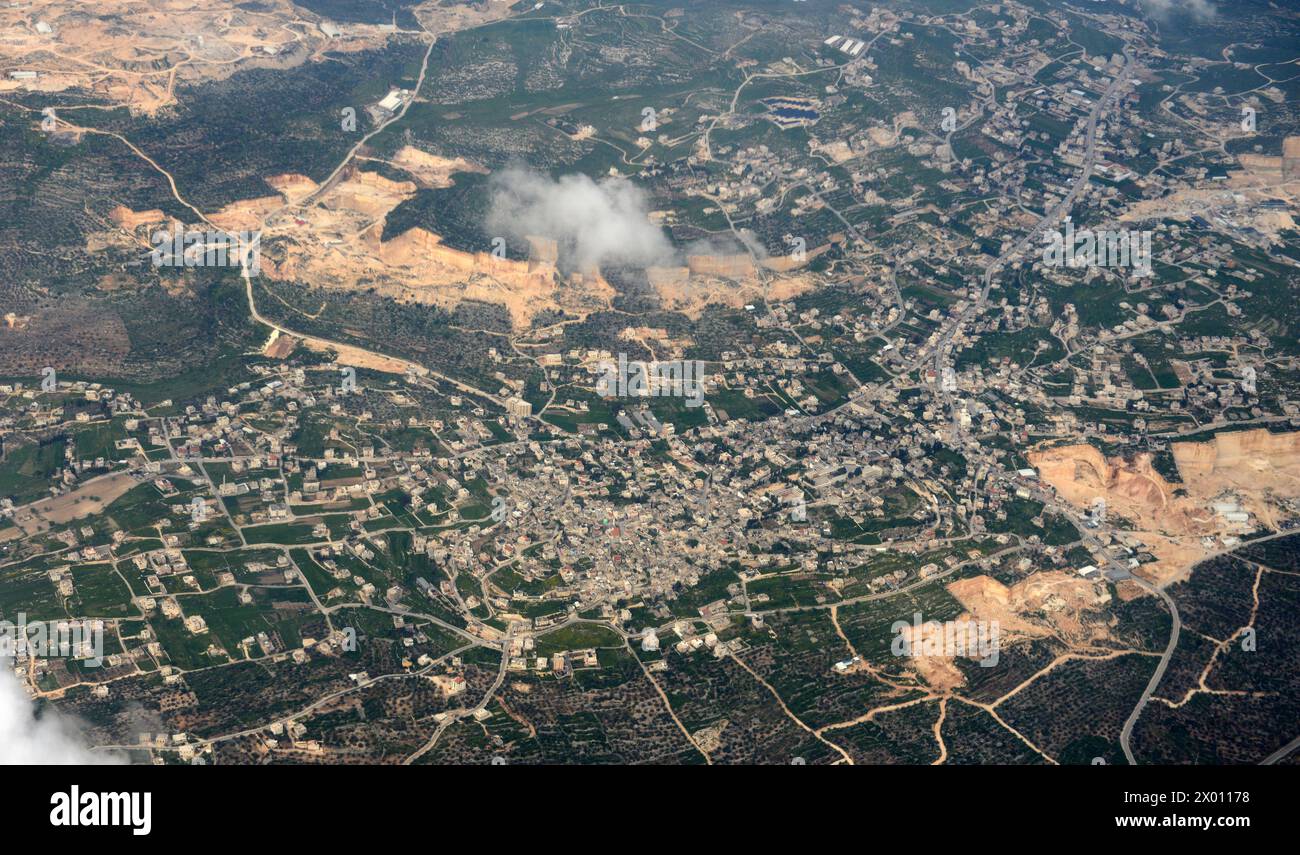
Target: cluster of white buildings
(847,45)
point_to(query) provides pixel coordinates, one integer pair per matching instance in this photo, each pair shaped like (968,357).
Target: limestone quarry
(1050,604)
(334,238)
(337,243)
(137,53)
(731,280)
(1230,484)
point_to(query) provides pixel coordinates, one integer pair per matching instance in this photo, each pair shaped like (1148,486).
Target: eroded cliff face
(1261,468)
(1252,460)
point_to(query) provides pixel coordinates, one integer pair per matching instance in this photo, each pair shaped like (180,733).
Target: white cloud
(50,740)
(595,223)
(1164,10)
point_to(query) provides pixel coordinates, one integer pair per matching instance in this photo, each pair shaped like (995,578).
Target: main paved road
(1126,732)
(1096,547)
(1048,220)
